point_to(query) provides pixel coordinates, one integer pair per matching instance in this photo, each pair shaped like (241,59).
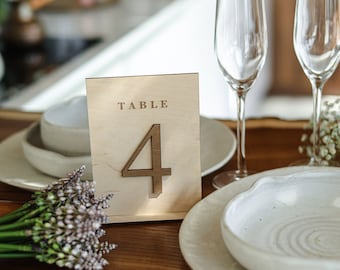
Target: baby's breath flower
(329,134)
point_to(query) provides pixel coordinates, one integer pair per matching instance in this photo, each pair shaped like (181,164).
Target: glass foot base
(225,178)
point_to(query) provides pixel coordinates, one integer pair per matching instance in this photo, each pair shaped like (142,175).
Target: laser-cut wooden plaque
(145,144)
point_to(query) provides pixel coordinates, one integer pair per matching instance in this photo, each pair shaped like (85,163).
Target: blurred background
(49,47)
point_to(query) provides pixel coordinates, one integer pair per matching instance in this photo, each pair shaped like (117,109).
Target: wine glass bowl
(316,44)
(240,53)
(241,48)
(316,37)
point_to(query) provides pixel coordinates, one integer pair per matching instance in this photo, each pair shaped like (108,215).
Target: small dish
(64,127)
(286,222)
(49,162)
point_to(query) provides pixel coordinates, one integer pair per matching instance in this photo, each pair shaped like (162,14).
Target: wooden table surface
(271,143)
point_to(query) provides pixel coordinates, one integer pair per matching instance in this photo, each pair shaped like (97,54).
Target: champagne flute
(316,44)
(241,47)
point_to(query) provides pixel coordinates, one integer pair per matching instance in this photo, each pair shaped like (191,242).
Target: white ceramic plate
(218,145)
(286,222)
(14,168)
(200,235)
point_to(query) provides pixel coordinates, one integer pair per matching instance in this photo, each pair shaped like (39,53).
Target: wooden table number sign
(145,144)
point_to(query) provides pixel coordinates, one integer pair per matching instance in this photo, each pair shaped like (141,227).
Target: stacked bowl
(60,142)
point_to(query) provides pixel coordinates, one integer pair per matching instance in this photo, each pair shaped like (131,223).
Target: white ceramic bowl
(286,222)
(48,162)
(64,128)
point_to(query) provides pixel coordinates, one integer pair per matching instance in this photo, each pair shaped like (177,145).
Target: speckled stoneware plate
(286,222)
(218,145)
(200,235)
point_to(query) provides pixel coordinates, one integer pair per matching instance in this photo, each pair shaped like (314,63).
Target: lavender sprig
(61,225)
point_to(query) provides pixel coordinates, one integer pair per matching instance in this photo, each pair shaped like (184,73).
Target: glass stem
(241,134)
(317,87)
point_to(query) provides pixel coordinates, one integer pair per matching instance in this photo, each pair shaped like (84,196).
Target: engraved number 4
(156,171)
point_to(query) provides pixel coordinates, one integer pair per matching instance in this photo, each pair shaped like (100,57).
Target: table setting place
(135,154)
(286,218)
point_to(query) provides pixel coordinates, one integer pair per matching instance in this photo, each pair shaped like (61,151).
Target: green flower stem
(15,214)
(16,247)
(17,235)
(17,225)
(17,255)
(23,207)
(33,213)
